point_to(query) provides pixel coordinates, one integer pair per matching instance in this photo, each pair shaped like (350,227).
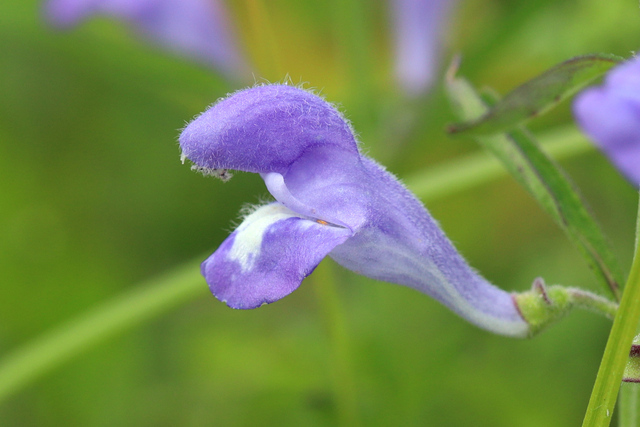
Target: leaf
(543,178)
(538,95)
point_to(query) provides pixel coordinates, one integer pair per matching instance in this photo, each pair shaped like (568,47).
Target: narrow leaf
(538,95)
(532,168)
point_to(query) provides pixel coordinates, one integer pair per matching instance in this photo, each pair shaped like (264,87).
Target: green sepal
(538,95)
(544,305)
(541,307)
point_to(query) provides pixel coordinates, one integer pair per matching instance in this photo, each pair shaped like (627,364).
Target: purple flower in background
(418,26)
(330,200)
(199,28)
(610,115)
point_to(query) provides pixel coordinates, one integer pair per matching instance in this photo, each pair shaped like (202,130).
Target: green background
(94,199)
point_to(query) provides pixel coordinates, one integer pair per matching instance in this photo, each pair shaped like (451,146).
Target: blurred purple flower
(418,26)
(610,115)
(198,28)
(330,200)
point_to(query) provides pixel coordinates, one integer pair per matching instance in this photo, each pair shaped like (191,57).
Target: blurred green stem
(264,38)
(352,35)
(57,346)
(629,400)
(475,169)
(182,284)
(628,414)
(616,353)
(344,386)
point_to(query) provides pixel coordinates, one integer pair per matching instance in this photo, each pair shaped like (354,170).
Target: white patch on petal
(248,236)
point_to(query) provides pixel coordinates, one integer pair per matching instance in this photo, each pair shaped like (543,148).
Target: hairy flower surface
(418,26)
(330,200)
(610,115)
(198,28)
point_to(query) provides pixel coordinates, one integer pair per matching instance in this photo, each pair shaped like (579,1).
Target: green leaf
(616,353)
(532,168)
(538,95)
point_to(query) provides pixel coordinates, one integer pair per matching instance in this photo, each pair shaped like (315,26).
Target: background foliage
(94,199)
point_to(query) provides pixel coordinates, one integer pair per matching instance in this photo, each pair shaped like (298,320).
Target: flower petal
(268,256)
(265,129)
(327,183)
(418,27)
(199,28)
(403,244)
(610,115)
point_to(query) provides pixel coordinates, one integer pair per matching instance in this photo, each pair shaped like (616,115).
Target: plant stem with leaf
(616,353)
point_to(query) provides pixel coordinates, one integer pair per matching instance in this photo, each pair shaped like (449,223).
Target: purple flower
(330,200)
(418,26)
(610,115)
(199,28)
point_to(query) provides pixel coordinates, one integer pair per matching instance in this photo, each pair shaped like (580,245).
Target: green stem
(475,169)
(176,287)
(264,40)
(342,373)
(616,353)
(629,400)
(352,35)
(628,415)
(55,347)
(593,302)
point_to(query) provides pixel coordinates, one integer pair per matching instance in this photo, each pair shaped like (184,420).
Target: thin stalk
(45,353)
(596,303)
(628,414)
(616,353)
(352,35)
(472,170)
(264,39)
(629,400)
(345,394)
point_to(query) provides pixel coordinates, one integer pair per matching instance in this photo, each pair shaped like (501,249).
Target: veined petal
(268,256)
(610,115)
